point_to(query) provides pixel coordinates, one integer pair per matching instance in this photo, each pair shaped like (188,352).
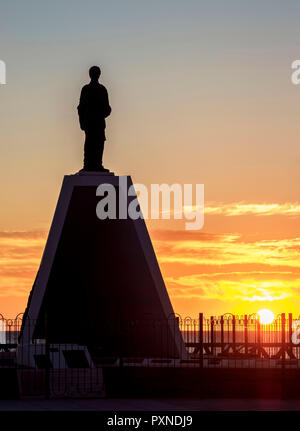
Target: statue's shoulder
(103,88)
(84,91)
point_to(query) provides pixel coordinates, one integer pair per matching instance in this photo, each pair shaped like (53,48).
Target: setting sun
(266,316)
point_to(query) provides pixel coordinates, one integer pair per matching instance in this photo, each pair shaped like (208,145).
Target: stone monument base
(99,284)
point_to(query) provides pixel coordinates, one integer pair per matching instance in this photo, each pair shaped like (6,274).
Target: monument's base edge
(93,173)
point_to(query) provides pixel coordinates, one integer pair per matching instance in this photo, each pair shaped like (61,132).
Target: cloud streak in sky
(228,267)
(195,265)
(20,254)
(243,208)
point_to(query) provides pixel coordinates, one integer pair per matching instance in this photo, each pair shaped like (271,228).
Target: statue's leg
(86,157)
(93,149)
(91,156)
(101,149)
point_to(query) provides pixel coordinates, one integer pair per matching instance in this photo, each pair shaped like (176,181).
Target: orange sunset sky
(200,93)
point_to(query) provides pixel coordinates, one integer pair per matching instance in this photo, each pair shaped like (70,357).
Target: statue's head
(95,73)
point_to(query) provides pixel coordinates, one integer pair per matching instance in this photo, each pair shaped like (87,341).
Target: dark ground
(163,404)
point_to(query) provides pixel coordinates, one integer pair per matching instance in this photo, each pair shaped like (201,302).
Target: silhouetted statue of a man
(93,108)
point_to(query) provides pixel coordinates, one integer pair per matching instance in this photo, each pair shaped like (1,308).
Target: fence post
(121,332)
(246,333)
(177,328)
(291,353)
(222,334)
(233,335)
(47,354)
(283,338)
(201,339)
(283,354)
(212,334)
(258,338)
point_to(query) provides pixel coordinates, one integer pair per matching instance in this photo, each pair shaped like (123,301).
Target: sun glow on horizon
(266,316)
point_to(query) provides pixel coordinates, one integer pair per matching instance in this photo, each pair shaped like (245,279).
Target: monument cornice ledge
(94,179)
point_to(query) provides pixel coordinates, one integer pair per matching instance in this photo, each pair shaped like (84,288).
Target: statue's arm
(81,108)
(107,108)
(82,100)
